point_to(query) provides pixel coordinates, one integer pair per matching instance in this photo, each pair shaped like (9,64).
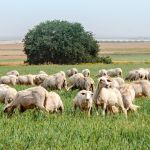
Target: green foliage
(38,130)
(59,42)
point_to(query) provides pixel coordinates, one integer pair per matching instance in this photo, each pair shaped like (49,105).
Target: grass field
(37,130)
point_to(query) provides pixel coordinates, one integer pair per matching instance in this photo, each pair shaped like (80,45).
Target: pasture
(38,130)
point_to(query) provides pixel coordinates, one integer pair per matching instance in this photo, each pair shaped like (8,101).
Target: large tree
(59,42)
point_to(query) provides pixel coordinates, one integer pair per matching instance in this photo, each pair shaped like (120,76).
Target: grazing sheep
(28,99)
(84,101)
(10,79)
(26,79)
(80,82)
(116,72)
(40,78)
(13,72)
(117,82)
(86,72)
(128,96)
(141,88)
(7,94)
(105,96)
(132,75)
(71,72)
(56,81)
(102,72)
(139,74)
(54,103)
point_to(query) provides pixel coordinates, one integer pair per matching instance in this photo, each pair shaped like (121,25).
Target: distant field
(131,51)
(136,52)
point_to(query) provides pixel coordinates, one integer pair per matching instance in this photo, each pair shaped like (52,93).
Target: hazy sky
(105,18)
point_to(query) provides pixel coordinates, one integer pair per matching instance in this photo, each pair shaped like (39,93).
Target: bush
(60,42)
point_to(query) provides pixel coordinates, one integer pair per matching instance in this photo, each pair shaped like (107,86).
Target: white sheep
(10,79)
(128,96)
(102,72)
(7,93)
(40,78)
(26,79)
(141,88)
(71,72)
(117,82)
(116,72)
(56,81)
(105,96)
(78,81)
(28,99)
(13,72)
(83,101)
(86,72)
(54,103)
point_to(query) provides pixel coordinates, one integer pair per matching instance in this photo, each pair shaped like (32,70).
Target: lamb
(86,72)
(10,79)
(116,72)
(71,72)
(105,96)
(7,94)
(83,101)
(26,79)
(80,82)
(141,88)
(28,99)
(128,96)
(56,81)
(54,103)
(13,72)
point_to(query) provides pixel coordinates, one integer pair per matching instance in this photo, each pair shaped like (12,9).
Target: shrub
(60,42)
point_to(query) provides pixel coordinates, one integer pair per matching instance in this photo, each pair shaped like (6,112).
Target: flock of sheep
(112,94)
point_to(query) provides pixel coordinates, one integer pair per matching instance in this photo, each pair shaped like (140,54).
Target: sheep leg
(75,107)
(104,109)
(124,111)
(42,108)
(90,111)
(70,87)
(96,109)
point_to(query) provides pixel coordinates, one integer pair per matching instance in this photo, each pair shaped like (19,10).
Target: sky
(105,18)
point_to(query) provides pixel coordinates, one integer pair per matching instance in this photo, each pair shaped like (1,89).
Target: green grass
(38,130)
(130,57)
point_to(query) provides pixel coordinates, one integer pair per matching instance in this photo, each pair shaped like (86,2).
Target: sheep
(102,72)
(116,72)
(54,103)
(7,94)
(40,78)
(86,72)
(139,74)
(128,96)
(13,72)
(56,81)
(132,75)
(28,99)
(10,79)
(105,96)
(80,82)
(71,72)
(141,88)
(83,100)
(26,79)
(117,82)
